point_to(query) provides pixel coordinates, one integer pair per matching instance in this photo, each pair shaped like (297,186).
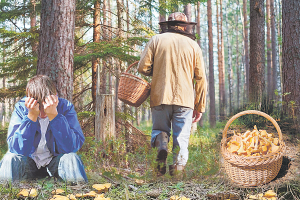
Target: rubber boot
(161,143)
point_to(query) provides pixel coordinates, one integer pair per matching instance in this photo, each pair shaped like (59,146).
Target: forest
(251,54)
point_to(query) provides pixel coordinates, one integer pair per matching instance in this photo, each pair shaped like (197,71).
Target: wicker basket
(133,90)
(255,170)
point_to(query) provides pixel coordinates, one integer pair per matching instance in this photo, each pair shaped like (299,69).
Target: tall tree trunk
(257,52)
(220,61)
(110,38)
(231,101)
(290,57)
(274,48)
(105,37)
(56,46)
(32,26)
(238,76)
(96,39)
(246,48)
(212,107)
(269,52)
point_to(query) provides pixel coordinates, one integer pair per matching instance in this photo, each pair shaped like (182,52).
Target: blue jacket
(64,134)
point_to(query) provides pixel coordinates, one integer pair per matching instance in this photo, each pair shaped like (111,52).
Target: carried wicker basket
(254,170)
(133,90)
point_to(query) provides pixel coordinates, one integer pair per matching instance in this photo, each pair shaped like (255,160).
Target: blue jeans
(68,167)
(180,118)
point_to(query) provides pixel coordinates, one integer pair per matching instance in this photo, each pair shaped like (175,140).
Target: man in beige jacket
(175,62)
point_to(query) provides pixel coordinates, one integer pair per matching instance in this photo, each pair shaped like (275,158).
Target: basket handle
(251,112)
(136,62)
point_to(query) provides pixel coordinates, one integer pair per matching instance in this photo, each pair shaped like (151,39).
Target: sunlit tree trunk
(221,61)
(34,45)
(269,54)
(274,48)
(257,52)
(104,61)
(238,76)
(212,108)
(56,46)
(96,38)
(291,58)
(246,47)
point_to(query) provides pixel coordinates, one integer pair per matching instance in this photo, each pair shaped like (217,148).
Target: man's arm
(146,62)
(66,129)
(201,83)
(21,131)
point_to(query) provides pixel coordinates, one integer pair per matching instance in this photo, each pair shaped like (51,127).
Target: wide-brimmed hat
(177,20)
(177,17)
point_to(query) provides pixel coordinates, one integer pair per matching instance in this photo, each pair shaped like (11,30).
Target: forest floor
(204,179)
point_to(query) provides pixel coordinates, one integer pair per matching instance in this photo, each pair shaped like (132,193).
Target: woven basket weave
(133,90)
(254,170)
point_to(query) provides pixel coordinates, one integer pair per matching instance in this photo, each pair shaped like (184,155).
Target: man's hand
(197,116)
(33,108)
(50,105)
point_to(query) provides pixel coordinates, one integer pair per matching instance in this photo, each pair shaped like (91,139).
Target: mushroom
(27,193)
(57,191)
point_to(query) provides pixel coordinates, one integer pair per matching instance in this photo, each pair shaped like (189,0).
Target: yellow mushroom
(60,197)
(27,193)
(71,197)
(57,191)
(102,187)
(270,193)
(90,194)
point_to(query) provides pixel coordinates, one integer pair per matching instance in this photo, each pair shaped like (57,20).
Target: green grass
(110,162)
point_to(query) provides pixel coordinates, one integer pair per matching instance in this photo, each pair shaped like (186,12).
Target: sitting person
(43,136)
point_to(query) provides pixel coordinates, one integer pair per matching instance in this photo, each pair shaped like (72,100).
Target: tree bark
(257,52)
(238,76)
(212,108)
(56,46)
(96,39)
(274,48)
(269,54)
(34,45)
(290,57)
(246,47)
(220,61)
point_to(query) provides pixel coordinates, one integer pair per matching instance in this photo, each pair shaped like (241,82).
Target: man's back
(175,58)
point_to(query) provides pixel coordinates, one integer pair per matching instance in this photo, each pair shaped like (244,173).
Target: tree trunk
(96,39)
(246,48)
(230,86)
(290,57)
(269,52)
(237,65)
(56,46)
(257,52)
(220,62)
(32,26)
(212,108)
(274,48)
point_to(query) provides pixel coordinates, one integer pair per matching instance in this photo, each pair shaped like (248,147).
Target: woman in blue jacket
(43,136)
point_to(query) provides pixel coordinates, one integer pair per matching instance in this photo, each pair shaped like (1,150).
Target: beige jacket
(175,61)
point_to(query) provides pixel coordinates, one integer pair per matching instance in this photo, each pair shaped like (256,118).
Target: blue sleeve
(21,131)
(66,130)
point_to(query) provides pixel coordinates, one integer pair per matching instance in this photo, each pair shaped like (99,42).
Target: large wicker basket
(254,170)
(133,90)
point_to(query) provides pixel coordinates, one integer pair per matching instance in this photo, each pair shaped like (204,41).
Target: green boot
(161,143)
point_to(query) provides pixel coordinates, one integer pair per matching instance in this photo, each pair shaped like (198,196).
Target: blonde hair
(39,87)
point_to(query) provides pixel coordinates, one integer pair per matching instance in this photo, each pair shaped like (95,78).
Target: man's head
(178,23)
(39,87)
